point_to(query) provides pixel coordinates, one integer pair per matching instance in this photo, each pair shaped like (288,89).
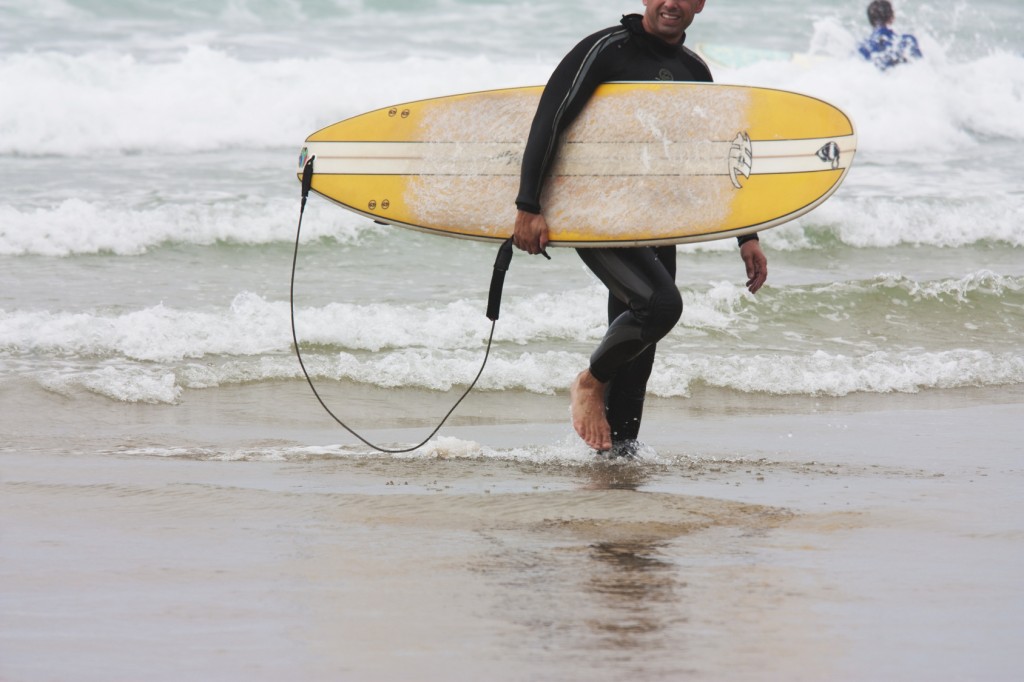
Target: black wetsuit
(643,303)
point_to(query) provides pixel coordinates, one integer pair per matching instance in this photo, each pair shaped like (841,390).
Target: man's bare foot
(587,407)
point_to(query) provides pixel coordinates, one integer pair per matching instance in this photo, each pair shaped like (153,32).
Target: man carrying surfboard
(643,303)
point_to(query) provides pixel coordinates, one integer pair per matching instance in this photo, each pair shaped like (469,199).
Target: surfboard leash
(501,265)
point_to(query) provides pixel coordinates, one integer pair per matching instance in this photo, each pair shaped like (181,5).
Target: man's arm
(756,263)
(531,232)
(910,48)
(570,87)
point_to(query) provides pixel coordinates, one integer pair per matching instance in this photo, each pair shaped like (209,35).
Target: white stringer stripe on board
(582,158)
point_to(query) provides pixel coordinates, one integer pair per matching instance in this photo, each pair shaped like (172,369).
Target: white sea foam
(124,383)
(961,290)
(78,226)
(153,354)
(205,98)
(252,325)
(156,334)
(820,373)
(920,109)
(824,373)
(569,450)
(877,222)
(107,102)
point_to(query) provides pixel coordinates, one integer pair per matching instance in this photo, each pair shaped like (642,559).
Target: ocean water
(831,487)
(148,209)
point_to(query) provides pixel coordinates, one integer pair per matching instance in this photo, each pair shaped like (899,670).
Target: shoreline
(289,412)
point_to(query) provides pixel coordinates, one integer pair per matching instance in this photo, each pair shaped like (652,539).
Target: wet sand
(231,537)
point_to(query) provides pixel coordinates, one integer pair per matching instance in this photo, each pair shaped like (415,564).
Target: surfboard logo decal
(302,157)
(741,159)
(830,154)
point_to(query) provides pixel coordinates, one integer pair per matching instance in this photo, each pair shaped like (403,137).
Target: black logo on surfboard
(741,158)
(830,154)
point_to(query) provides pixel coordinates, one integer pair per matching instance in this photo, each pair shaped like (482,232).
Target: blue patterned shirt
(885,48)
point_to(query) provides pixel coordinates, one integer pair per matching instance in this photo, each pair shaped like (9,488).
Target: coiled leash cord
(501,265)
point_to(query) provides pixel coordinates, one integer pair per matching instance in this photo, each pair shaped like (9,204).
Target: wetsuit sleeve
(910,46)
(567,91)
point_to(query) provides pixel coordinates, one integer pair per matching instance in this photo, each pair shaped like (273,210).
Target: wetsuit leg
(624,397)
(649,306)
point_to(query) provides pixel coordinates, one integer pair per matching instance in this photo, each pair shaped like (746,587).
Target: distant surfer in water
(644,304)
(884,47)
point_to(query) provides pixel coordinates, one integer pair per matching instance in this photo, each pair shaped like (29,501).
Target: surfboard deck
(644,163)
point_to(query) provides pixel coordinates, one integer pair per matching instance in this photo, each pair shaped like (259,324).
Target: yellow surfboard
(644,163)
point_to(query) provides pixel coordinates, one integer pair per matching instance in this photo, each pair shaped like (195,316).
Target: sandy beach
(867,538)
